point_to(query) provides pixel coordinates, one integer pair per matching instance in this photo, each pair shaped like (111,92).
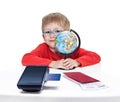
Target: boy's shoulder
(43,45)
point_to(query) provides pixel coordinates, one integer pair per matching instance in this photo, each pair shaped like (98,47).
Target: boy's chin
(52,47)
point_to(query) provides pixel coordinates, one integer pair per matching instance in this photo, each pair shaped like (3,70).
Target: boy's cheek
(43,37)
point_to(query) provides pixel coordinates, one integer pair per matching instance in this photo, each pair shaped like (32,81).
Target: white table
(63,90)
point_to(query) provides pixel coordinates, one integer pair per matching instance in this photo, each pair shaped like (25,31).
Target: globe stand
(65,56)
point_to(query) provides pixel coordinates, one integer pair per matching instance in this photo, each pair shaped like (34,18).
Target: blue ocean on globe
(66,42)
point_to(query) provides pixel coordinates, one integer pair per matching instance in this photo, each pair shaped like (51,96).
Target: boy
(46,54)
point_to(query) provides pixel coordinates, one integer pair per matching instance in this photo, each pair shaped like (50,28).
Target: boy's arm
(87,58)
(38,56)
(30,59)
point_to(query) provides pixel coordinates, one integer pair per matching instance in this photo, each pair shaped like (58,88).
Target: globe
(67,42)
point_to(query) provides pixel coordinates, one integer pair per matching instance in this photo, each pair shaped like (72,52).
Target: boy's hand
(57,64)
(64,64)
(70,63)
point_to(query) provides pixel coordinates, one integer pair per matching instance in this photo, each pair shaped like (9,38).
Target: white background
(96,21)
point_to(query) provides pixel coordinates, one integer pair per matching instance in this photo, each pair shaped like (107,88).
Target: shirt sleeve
(36,56)
(31,59)
(87,58)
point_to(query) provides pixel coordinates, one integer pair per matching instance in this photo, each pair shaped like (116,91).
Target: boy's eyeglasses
(48,33)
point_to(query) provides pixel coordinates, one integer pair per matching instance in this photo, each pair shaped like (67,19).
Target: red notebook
(80,77)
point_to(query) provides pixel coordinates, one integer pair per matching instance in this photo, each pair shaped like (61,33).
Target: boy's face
(49,34)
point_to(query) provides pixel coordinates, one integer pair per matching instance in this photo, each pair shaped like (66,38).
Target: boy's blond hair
(58,18)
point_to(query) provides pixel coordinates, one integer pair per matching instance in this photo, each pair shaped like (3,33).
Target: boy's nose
(52,34)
